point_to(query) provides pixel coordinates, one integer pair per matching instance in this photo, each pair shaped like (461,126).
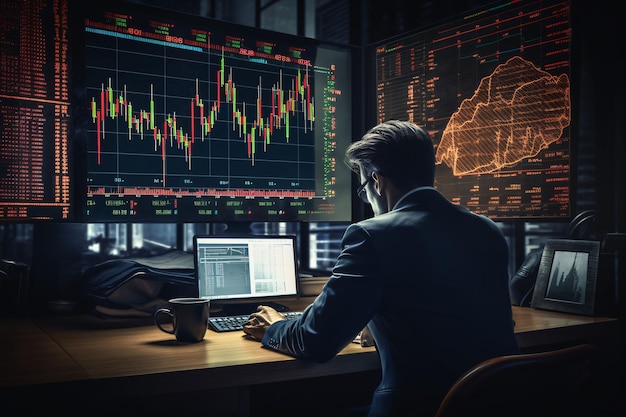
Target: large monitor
(36,148)
(493,89)
(195,120)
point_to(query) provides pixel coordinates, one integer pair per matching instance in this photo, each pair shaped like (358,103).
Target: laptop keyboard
(233,323)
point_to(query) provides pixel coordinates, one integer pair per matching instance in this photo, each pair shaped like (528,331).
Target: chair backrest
(549,383)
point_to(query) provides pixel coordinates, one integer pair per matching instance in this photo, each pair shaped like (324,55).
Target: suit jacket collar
(414,196)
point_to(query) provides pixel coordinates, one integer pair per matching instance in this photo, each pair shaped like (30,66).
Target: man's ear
(379,182)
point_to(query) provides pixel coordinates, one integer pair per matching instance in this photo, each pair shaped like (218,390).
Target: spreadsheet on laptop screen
(245,268)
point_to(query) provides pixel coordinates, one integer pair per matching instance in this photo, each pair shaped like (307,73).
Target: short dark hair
(399,150)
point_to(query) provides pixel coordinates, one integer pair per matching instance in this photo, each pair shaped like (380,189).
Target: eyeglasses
(361,190)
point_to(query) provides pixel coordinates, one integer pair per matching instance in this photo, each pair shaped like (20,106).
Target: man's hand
(260,320)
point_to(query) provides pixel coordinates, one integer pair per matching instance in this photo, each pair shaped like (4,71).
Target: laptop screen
(245,268)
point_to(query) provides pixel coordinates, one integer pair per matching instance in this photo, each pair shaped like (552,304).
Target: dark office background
(58,253)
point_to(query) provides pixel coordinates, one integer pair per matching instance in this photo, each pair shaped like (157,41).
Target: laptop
(238,273)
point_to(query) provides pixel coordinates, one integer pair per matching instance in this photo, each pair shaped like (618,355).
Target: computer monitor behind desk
(238,273)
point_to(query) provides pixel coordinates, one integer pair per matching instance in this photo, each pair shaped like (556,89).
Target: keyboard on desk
(233,323)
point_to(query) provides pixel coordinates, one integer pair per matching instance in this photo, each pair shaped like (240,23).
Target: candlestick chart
(185,118)
(251,129)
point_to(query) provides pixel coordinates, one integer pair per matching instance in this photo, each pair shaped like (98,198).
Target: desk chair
(551,383)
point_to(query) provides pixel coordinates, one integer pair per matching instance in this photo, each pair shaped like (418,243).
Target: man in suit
(427,277)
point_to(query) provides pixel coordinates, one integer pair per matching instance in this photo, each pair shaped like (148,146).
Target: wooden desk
(59,356)
(537,329)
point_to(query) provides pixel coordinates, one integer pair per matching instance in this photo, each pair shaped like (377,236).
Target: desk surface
(62,349)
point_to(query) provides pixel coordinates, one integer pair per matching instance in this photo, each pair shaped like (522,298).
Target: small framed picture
(567,276)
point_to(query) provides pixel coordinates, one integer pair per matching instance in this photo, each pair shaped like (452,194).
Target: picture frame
(567,277)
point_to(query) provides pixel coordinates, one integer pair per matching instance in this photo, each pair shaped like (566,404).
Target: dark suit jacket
(431,279)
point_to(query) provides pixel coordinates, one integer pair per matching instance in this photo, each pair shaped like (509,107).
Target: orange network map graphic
(515,113)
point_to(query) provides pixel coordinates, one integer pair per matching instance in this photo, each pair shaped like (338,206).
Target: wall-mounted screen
(493,90)
(193,120)
(36,149)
